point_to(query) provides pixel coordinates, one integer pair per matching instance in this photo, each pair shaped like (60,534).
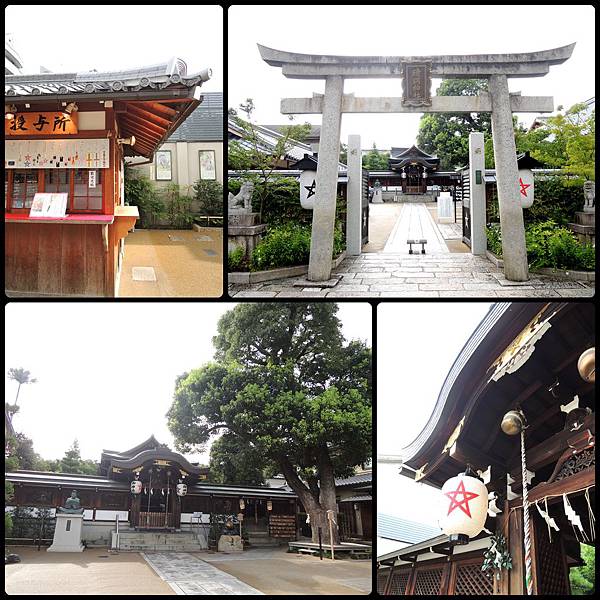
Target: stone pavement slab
(187,575)
(449,275)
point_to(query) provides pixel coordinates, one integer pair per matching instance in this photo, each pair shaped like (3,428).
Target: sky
(106,371)
(117,37)
(402,31)
(417,344)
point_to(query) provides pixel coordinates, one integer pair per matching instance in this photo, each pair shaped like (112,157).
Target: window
(24,187)
(83,186)
(87,190)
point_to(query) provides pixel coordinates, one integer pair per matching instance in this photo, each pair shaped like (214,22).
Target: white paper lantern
(269,505)
(242,504)
(463,507)
(136,487)
(526,187)
(181,489)
(308,188)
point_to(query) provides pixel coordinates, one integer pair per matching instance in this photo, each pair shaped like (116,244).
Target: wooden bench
(411,242)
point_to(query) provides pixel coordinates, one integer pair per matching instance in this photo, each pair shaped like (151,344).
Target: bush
(549,245)
(556,199)
(140,192)
(236,260)
(209,195)
(288,245)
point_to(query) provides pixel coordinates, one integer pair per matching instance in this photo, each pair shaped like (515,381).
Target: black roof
(205,124)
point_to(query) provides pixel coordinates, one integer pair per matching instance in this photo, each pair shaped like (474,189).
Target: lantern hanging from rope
(181,489)
(242,504)
(269,505)
(464,507)
(136,487)
(586,365)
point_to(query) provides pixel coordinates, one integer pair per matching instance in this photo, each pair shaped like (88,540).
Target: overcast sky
(106,371)
(402,31)
(417,344)
(66,38)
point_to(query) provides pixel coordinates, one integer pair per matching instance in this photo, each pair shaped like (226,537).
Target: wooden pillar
(515,547)
(388,583)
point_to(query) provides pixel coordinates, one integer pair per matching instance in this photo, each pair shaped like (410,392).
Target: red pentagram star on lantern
(524,186)
(464,503)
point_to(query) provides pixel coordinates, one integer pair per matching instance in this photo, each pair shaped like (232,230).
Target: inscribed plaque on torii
(416,84)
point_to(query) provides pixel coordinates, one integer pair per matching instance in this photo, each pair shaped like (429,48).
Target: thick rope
(526,524)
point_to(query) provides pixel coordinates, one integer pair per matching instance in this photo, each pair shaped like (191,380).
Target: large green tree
(285,383)
(447,134)
(583,579)
(73,463)
(375,160)
(232,461)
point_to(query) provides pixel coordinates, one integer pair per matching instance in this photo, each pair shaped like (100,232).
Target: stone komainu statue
(243,199)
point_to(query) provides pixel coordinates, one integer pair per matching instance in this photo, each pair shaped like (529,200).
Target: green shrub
(140,192)
(549,245)
(288,245)
(209,195)
(556,199)
(8,524)
(178,208)
(236,260)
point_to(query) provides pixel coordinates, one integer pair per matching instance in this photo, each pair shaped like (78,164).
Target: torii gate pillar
(323,223)
(514,251)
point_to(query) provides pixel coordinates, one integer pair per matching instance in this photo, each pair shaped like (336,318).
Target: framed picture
(208,168)
(163,165)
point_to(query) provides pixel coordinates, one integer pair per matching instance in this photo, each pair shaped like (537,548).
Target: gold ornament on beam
(586,365)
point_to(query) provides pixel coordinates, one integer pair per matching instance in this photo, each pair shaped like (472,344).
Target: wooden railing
(155,520)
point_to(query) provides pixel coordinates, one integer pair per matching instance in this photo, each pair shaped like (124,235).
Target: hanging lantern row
(464,507)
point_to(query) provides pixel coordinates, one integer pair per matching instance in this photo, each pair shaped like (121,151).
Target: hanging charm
(573,517)
(550,522)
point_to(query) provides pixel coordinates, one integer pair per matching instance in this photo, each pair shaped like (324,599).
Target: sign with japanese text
(416,84)
(41,123)
(49,205)
(57,154)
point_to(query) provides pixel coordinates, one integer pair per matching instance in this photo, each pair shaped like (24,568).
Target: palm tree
(22,377)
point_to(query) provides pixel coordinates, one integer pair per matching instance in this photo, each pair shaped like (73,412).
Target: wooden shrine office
(535,360)
(68,133)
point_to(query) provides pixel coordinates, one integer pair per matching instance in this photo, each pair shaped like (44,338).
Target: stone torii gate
(416,73)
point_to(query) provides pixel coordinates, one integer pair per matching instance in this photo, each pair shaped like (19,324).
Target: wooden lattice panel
(382,577)
(472,581)
(428,582)
(552,575)
(399,583)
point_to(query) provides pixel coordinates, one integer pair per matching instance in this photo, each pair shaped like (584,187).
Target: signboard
(41,123)
(56,154)
(208,169)
(416,84)
(163,165)
(92,178)
(49,205)
(526,187)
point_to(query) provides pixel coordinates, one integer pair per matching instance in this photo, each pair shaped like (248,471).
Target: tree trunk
(316,506)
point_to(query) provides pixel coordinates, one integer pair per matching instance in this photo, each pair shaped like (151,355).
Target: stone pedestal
(67,534)
(584,226)
(445,208)
(230,544)
(244,230)
(377,196)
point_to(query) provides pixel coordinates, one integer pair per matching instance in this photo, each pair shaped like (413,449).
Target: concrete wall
(97,533)
(185,164)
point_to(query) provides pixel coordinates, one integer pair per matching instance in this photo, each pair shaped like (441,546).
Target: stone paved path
(415,223)
(188,575)
(401,275)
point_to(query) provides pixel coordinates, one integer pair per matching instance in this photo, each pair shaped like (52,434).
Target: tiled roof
(205,124)
(355,479)
(164,75)
(403,530)
(268,139)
